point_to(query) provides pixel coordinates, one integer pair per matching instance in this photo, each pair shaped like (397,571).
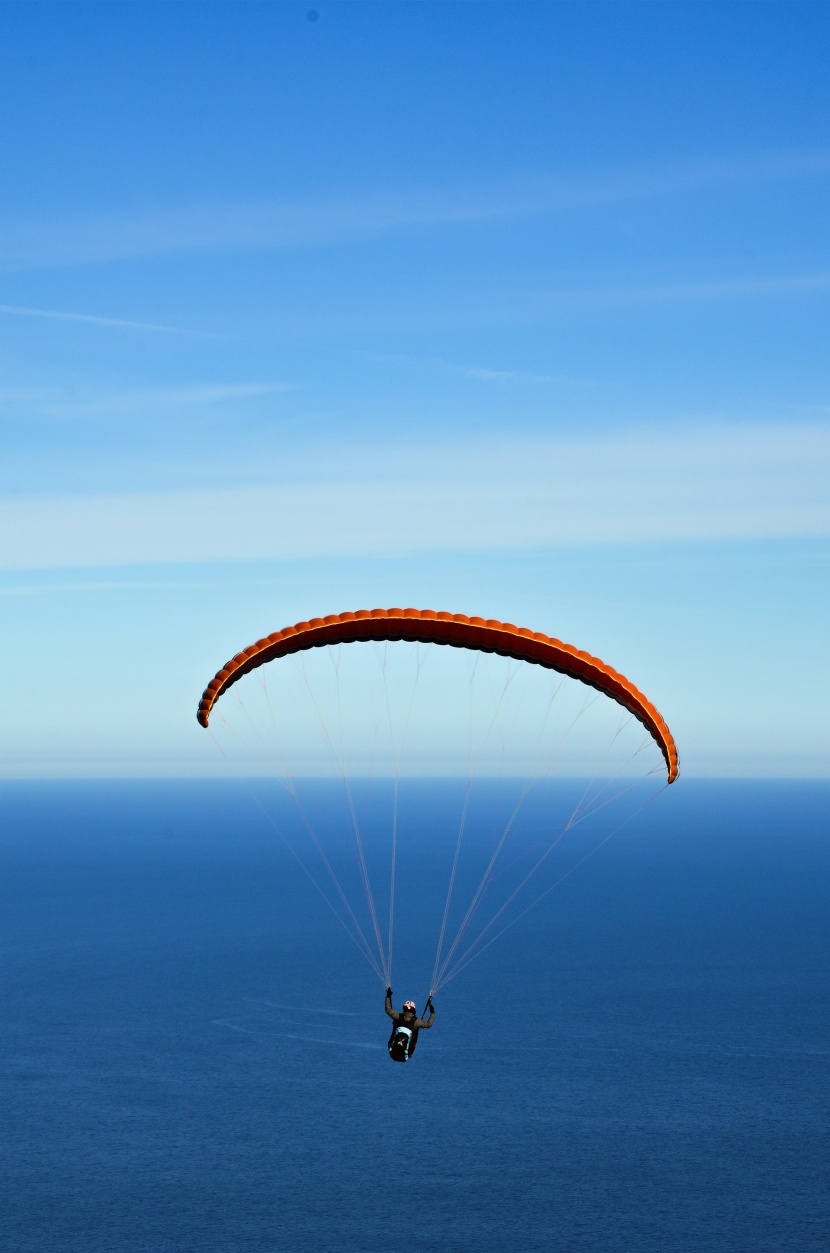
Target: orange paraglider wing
(457,630)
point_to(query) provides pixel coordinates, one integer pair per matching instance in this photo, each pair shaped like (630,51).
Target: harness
(402,1043)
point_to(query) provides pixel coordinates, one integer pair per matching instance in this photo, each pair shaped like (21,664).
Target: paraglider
(499,726)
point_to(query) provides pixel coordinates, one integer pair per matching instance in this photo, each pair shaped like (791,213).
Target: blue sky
(512,309)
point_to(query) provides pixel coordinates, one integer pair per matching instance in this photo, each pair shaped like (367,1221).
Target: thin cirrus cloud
(528,306)
(144,402)
(522,307)
(28,243)
(92,319)
(711,484)
(151,400)
(483,375)
(479,374)
(707,289)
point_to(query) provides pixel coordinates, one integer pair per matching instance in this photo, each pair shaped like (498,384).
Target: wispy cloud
(274,224)
(534,304)
(183,397)
(480,374)
(707,289)
(724,483)
(483,375)
(529,306)
(96,585)
(61,315)
(163,401)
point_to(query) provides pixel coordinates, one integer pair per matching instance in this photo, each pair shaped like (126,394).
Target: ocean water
(193,1054)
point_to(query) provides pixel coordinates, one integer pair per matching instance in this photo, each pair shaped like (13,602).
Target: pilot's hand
(389,992)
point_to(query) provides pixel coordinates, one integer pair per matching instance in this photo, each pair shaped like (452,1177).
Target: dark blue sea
(193,1054)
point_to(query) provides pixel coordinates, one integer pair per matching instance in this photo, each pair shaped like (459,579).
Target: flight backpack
(400,1044)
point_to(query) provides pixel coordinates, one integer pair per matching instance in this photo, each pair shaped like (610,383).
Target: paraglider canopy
(457,630)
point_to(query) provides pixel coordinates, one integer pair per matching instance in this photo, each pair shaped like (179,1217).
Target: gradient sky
(510,309)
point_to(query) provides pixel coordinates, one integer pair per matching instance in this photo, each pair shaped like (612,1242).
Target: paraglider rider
(405,1028)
